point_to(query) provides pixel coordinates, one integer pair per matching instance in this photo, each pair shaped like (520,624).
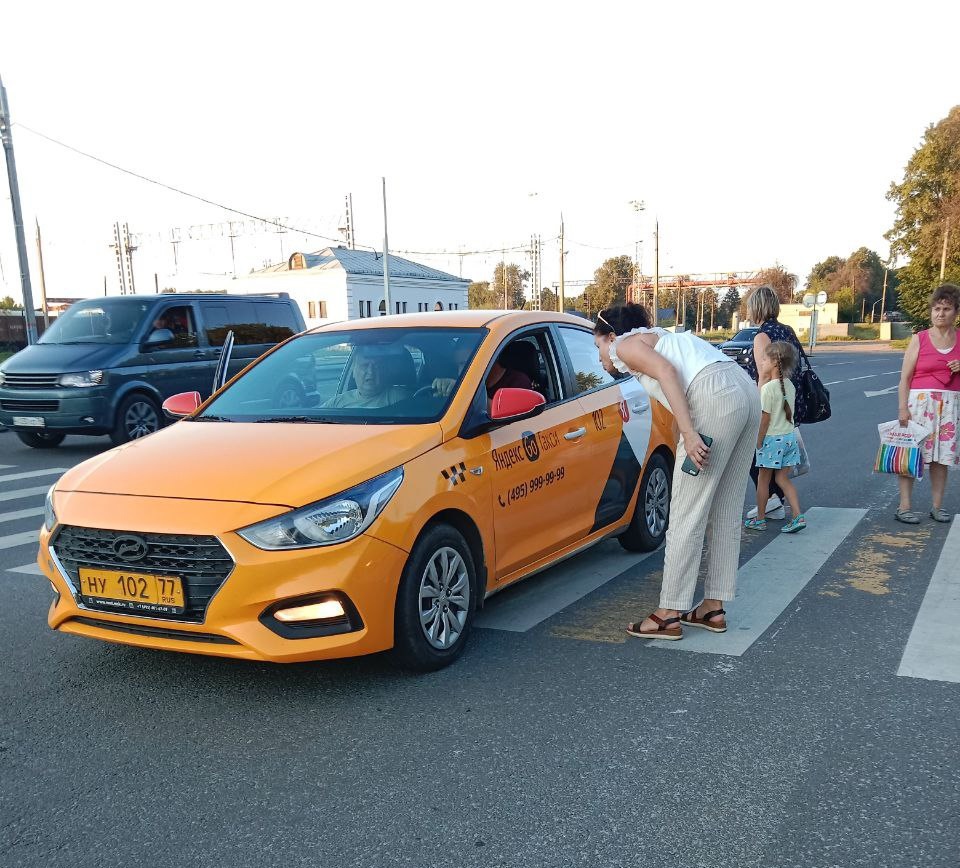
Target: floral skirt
(939,411)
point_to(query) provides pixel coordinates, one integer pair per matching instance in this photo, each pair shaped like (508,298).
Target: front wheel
(137,416)
(648,528)
(41,439)
(435,601)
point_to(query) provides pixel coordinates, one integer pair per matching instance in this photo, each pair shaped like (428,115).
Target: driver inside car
(371,370)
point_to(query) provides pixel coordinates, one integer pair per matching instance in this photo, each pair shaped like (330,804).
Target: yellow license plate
(159,595)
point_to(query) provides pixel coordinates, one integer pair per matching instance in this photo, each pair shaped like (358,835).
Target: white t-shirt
(353,398)
(684,350)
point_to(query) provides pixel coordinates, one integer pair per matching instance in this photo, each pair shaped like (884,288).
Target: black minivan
(106,365)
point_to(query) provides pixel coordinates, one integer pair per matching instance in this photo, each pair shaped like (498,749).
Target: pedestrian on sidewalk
(777,447)
(930,396)
(763,308)
(710,395)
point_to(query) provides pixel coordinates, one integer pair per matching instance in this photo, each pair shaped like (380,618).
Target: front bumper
(366,571)
(68,411)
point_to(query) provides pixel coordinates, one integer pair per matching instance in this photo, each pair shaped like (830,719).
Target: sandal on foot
(693,620)
(795,524)
(940,515)
(664,630)
(755,524)
(907,516)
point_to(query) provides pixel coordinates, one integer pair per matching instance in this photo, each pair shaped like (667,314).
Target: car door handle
(575,435)
(199,354)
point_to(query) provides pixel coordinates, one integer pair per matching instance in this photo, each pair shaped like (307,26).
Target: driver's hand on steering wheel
(443,386)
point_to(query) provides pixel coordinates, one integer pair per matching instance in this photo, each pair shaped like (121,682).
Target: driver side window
(180,321)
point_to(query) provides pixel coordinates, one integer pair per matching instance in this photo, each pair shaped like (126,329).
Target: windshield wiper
(206,418)
(307,419)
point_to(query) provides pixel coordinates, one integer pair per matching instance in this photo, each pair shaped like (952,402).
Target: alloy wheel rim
(141,419)
(656,506)
(444,598)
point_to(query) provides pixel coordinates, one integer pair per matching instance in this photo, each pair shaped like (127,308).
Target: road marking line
(30,473)
(6,466)
(31,569)
(933,649)
(533,600)
(21,513)
(765,588)
(18,493)
(886,391)
(11,541)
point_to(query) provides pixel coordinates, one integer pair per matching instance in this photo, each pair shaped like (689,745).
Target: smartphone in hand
(688,466)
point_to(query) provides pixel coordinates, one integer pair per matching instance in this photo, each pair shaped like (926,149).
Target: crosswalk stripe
(933,649)
(765,586)
(19,539)
(18,493)
(21,513)
(32,569)
(28,474)
(540,597)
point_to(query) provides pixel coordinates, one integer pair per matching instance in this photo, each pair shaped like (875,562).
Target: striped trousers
(725,405)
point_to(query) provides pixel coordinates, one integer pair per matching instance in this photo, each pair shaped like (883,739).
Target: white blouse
(685,351)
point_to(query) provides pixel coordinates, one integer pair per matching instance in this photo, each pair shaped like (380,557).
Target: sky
(755,133)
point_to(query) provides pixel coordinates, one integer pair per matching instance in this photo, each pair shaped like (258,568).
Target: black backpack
(812,403)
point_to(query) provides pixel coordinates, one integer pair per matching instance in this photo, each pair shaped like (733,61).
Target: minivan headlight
(49,515)
(84,379)
(326,522)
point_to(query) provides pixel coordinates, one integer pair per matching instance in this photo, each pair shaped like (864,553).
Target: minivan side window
(252,322)
(180,321)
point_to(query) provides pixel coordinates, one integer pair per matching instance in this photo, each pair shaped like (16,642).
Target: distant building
(339,283)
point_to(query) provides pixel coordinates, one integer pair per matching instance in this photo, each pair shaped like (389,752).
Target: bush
(716,335)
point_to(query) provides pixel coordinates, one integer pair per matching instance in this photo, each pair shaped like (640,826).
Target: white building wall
(314,291)
(413,295)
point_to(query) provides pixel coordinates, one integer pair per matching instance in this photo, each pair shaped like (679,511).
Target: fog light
(313,612)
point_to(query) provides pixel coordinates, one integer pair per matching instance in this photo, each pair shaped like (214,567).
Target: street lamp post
(872,309)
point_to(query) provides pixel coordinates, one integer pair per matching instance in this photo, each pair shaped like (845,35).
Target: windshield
(746,335)
(368,376)
(101,321)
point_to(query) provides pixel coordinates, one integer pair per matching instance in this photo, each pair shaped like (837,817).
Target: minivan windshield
(97,321)
(367,376)
(745,335)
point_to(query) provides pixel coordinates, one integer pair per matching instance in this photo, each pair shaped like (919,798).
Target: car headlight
(326,522)
(49,515)
(3,378)
(84,379)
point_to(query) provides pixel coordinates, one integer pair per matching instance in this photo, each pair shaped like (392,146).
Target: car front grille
(731,351)
(15,404)
(29,381)
(201,562)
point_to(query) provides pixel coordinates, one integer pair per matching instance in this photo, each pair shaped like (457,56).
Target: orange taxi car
(378,510)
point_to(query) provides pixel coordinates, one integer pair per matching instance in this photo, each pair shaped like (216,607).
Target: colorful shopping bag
(900,451)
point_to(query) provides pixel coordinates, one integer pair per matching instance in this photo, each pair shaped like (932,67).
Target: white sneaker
(774,509)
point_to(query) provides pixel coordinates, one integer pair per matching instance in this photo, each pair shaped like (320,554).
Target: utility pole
(7,139)
(656,274)
(352,233)
(563,294)
(128,249)
(386,251)
(118,251)
(233,259)
(883,296)
(43,281)
(174,241)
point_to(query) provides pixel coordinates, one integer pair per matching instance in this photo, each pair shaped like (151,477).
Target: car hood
(280,464)
(62,358)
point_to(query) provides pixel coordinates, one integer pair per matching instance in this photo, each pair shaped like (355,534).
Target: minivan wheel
(137,416)
(651,516)
(435,601)
(41,439)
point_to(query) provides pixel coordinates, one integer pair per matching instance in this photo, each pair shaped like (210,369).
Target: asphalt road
(557,743)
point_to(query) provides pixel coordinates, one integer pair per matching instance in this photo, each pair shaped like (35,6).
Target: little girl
(777,447)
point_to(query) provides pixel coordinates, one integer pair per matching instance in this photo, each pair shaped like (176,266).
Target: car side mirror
(513,404)
(157,337)
(182,404)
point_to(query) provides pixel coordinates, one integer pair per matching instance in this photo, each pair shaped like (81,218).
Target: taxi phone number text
(532,486)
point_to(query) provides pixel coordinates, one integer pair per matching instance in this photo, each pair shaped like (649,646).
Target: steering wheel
(423,390)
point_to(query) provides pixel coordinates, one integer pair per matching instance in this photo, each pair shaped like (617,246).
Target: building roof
(366,262)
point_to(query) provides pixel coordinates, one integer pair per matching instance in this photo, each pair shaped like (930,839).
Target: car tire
(41,439)
(137,416)
(430,635)
(651,515)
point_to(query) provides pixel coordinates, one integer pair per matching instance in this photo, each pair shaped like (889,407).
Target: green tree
(610,282)
(7,303)
(848,307)
(509,280)
(783,283)
(928,212)
(549,299)
(727,307)
(481,297)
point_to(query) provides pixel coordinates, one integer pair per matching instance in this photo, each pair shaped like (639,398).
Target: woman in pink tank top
(930,395)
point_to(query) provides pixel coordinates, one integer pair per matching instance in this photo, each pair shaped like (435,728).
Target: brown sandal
(663,631)
(692,619)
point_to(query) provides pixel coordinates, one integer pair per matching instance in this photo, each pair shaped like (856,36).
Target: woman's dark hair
(947,292)
(621,318)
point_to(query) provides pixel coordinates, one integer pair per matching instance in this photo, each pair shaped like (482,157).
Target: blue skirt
(779,450)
